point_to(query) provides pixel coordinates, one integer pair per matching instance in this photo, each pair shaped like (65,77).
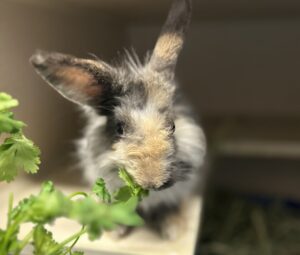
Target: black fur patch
(156,215)
(108,100)
(181,171)
(137,94)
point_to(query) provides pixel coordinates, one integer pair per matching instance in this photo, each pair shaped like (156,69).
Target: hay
(240,225)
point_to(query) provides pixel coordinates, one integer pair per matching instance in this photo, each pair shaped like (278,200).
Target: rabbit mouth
(166,185)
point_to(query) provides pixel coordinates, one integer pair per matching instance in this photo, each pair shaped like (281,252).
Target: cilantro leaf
(98,217)
(8,124)
(16,153)
(7,102)
(135,189)
(1,235)
(48,205)
(101,191)
(19,153)
(125,212)
(42,208)
(93,215)
(20,212)
(43,242)
(123,194)
(47,187)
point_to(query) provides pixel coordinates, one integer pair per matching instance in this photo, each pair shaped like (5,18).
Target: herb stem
(11,230)
(68,240)
(10,207)
(4,245)
(74,243)
(79,193)
(24,242)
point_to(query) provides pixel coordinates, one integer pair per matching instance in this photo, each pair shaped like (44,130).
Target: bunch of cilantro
(97,211)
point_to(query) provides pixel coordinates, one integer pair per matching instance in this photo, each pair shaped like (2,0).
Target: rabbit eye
(173,127)
(120,128)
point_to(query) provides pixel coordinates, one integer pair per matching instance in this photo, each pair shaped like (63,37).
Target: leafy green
(7,102)
(101,191)
(122,210)
(125,213)
(43,242)
(123,194)
(16,153)
(98,217)
(19,153)
(43,208)
(51,204)
(8,124)
(48,206)
(134,188)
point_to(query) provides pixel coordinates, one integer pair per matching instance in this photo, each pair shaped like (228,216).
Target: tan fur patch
(160,96)
(168,45)
(78,79)
(147,157)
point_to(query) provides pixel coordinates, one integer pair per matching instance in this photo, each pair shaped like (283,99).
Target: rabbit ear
(82,81)
(170,41)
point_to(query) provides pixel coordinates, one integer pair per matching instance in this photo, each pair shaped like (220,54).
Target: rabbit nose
(166,185)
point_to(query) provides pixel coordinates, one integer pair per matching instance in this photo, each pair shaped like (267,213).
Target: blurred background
(239,68)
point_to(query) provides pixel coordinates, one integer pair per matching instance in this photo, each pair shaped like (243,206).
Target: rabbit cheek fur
(135,118)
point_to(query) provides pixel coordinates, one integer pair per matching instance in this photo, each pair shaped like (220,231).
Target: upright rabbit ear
(85,82)
(171,39)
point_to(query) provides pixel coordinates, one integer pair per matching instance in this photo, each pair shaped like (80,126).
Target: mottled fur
(135,118)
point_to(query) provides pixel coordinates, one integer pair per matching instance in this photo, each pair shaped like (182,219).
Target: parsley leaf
(101,191)
(97,217)
(8,124)
(135,189)
(125,213)
(16,153)
(43,242)
(7,102)
(48,205)
(19,153)
(123,194)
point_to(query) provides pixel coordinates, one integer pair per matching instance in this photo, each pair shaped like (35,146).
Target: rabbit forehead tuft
(143,87)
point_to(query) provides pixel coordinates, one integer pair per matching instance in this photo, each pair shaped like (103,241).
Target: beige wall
(52,120)
(237,66)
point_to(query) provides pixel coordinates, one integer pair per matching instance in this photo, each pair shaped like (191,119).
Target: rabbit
(137,118)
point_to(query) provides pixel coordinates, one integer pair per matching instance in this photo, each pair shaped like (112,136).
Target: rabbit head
(136,98)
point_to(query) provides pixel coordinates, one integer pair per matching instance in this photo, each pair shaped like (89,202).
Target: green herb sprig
(18,152)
